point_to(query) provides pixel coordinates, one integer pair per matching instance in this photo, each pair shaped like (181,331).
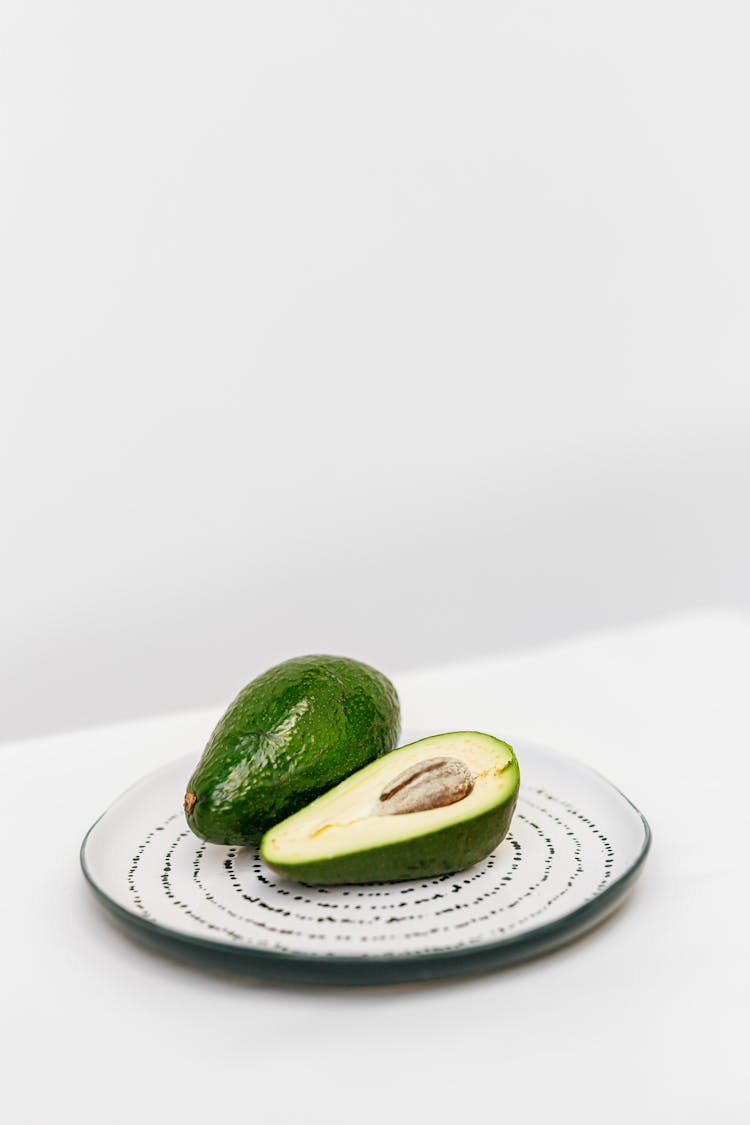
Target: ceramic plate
(575,846)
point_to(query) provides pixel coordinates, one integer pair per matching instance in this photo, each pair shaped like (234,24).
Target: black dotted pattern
(554,860)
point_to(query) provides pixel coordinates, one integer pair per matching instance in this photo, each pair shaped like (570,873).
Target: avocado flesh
(349,835)
(291,734)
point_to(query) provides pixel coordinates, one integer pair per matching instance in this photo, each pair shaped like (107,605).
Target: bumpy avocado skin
(292,733)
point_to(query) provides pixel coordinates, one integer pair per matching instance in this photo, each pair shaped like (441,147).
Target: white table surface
(644,1016)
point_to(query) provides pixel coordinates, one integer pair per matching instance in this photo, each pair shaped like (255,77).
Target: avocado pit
(430,784)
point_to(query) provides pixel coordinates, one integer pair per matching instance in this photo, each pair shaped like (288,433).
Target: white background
(404,330)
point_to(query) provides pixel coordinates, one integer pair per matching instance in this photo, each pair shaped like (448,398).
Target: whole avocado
(291,734)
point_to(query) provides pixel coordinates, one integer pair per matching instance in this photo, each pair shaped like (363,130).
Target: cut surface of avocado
(433,807)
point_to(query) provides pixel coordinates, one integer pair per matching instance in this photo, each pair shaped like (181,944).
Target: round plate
(574,848)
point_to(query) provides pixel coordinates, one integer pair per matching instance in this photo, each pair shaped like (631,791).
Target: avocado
(291,734)
(430,808)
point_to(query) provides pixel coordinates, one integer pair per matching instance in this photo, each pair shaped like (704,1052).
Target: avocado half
(430,808)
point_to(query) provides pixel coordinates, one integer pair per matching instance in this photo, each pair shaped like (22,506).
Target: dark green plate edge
(358,971)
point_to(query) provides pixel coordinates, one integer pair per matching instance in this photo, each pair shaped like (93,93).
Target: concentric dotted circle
(554,859)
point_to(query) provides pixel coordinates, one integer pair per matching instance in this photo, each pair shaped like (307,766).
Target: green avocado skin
(294,732)
(451,848)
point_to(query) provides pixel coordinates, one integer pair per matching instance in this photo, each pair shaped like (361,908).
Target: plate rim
(311,968)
